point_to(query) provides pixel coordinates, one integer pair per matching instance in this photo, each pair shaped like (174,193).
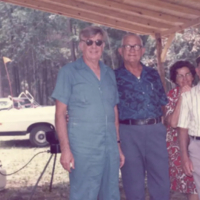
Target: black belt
(194,137)
(140,121)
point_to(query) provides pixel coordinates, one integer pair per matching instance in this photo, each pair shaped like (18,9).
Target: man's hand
(183,143)
(67,160)
(187,166)
(122,158)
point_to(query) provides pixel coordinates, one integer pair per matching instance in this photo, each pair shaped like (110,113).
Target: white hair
(129,35)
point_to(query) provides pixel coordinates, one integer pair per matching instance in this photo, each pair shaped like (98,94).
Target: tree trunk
(1,92)
(44,85)
(71,41)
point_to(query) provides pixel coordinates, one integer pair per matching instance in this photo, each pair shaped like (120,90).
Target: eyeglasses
(128,47)
(181,76)
(90,42)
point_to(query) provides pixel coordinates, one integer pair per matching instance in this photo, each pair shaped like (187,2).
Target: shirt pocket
(79,94)
(153,92)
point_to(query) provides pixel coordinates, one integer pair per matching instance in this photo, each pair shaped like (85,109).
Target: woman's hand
(187,166)
(185,88)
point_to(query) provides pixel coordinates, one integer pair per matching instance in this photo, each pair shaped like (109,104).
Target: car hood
(41,110)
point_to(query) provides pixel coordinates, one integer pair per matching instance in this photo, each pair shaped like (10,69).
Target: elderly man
(89,142)
(189,133)
(143,136)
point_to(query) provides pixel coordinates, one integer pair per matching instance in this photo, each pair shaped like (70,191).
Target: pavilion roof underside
(139,16)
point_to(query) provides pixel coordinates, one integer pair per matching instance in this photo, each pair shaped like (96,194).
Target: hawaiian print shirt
(142,97)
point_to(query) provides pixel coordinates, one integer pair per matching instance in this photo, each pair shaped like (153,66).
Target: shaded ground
(17,151)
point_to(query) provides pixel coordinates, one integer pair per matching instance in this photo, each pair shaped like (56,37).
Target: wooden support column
(1,93)
(161,69)
(167,45)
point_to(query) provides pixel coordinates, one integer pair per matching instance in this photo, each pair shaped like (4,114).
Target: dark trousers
(144,147)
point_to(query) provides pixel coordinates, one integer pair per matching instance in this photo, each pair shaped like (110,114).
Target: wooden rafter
(121,16)
(140,16)
(82,15)
(134,10)
(164,5)
(194,22)
(184,1)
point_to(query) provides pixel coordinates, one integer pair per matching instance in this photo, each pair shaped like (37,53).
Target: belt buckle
(193,137)
(146,121)
(151,121)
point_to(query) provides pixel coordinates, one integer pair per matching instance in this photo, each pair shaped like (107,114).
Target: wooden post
(1,93)
(9,81)
(167,45)
(161,70)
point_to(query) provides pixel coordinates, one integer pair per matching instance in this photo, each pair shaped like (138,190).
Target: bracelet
(118,141)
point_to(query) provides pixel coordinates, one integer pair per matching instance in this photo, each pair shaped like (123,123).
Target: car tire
(37,135)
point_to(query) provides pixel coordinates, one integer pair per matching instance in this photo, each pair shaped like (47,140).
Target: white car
(5,104)
(33,120)
(24,100)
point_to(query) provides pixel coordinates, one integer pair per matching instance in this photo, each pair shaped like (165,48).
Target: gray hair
(133,35)
(91,31)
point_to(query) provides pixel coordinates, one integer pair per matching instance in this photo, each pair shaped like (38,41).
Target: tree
(41,43)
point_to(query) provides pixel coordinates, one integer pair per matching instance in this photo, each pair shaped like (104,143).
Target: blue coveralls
(91,130)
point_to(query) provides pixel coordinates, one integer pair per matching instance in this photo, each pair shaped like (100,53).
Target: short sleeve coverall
(91,130)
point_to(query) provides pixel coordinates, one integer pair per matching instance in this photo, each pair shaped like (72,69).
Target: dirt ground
(16,151)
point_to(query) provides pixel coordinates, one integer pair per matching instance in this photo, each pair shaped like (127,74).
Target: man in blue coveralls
(143,136)
(90,148)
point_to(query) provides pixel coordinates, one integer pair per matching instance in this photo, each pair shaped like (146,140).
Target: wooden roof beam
(194,22)
(133,10)
(111,14)
(82,15)
(165,5)
(184,1)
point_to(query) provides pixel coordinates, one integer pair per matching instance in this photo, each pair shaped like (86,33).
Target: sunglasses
(90,42)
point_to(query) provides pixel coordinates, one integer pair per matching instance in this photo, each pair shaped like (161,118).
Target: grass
(15,152)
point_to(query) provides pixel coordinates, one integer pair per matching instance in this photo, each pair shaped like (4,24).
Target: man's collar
(80,64)
(143,67)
